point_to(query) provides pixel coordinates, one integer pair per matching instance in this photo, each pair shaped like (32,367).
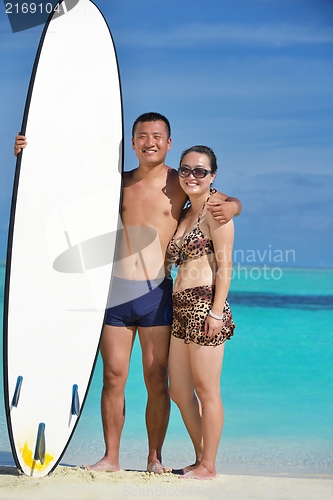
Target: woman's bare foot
(102,465)
(158,468)
(200,472)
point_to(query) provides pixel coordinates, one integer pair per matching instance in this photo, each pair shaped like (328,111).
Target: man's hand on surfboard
(20,143)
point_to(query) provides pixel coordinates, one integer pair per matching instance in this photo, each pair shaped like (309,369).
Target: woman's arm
(223,239)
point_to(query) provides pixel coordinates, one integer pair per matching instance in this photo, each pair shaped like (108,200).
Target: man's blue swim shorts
(140,303)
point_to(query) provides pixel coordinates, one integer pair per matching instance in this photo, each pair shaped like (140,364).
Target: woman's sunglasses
(197,172)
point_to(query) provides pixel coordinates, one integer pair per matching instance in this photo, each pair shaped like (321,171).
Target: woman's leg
(206,367)
(182,393)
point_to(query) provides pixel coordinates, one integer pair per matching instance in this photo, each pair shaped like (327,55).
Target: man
(140,298)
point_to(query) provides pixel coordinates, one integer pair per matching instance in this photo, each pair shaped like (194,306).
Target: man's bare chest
(143,205)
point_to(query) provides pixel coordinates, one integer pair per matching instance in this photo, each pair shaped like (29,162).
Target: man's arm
(238,206)
(20,143)
(224,209)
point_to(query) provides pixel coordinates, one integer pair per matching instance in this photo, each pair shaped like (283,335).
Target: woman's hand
(212,326)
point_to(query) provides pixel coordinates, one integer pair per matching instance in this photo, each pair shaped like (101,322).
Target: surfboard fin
(17,391)
(40,444)
(75,410)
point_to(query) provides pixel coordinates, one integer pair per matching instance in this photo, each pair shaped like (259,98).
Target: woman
(202,320)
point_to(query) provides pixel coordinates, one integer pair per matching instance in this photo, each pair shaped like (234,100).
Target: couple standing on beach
(158,232)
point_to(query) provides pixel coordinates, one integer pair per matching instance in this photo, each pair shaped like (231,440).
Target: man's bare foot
(188,468)
(200,472)
(102,465)
(158,468)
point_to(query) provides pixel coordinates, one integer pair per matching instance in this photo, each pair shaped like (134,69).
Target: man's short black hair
(152,117)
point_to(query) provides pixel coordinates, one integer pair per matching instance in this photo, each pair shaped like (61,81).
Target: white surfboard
(62,233)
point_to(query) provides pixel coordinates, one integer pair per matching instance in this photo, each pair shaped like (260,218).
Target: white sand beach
(78,484)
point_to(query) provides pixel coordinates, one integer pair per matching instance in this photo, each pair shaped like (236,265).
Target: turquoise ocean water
(277,384)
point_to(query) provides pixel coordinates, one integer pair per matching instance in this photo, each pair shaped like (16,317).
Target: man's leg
(155,349)
(116,347)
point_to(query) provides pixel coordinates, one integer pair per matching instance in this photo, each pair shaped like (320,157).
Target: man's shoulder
(172,178)
(128,177)
(128,174)
(173,188)
(172,174)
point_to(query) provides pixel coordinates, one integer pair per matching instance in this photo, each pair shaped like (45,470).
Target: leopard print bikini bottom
(190,310)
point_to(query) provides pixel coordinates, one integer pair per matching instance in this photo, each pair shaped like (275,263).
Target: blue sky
(253,79)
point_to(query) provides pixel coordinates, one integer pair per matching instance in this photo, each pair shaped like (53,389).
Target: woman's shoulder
(213,196)
(216,195)
(208,216)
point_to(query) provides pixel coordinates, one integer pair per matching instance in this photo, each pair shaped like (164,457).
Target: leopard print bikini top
(194,244)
